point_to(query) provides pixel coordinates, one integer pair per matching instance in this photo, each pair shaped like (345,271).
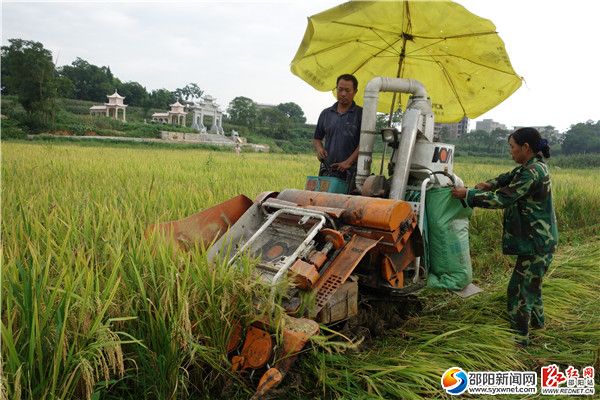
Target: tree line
(580,138)
(29,73)
(268,120)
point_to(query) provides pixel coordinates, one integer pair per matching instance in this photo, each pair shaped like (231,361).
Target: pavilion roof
(115,94)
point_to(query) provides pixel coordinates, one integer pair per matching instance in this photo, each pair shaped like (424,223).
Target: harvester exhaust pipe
(368,132)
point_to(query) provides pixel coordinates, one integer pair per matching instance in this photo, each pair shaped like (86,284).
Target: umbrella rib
(426,58)
(458,36)
(443,39)
(373,57)
(451,83)
(366,27)
(424,47)
(386,42)
(330,48)
(382,49)
(337,45)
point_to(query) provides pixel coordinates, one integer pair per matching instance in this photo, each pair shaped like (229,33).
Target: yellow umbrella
(458,56)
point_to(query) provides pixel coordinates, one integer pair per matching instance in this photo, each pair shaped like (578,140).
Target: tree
(292,111)
(273,123)
(28,72)
(582,138)
(135,94)
(189,92)
(445,134)
(242,111)
(382,120)
(161,98)
(483,142)
(64,87)
(551,134)
(91,82)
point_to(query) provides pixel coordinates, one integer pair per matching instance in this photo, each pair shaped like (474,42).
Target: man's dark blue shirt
(341,132)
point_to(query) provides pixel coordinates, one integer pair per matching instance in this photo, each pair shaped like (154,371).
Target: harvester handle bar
(290,259)
(451,177)
(421,220)
(267,203)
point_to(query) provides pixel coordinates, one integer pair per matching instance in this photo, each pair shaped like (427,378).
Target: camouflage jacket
(525,194)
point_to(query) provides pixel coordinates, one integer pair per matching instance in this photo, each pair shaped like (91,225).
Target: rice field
(91,309)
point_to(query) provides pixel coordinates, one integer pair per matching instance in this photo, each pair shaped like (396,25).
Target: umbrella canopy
(458,56)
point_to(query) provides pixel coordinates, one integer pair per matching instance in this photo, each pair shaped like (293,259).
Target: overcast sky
(244,48)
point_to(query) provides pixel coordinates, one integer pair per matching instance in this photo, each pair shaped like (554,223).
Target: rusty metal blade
(340,269)
(205,226)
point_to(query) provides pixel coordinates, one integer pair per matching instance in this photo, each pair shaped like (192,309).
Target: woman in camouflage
(529,226)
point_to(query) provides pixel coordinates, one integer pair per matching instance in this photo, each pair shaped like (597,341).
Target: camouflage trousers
(524,294)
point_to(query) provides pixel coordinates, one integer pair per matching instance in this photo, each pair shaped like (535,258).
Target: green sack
(449,260)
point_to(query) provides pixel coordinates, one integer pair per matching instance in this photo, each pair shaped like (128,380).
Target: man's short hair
(348,77)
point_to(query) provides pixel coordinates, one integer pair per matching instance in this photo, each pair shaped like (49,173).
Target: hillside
(72,118)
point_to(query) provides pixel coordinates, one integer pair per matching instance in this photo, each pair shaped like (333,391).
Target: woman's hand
(459,192)
(483,186)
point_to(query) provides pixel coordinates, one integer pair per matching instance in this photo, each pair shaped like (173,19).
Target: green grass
(91,308)
(473,334)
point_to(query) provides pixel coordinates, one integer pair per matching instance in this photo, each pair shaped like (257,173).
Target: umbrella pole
(398,73)
(391,114)
(385,145)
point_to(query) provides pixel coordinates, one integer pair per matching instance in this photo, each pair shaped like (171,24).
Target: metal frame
(289,260)
(421,222)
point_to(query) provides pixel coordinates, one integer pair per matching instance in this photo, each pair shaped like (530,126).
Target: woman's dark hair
(533,138)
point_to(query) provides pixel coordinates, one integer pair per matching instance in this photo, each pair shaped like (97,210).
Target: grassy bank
(71,118)
(93,309)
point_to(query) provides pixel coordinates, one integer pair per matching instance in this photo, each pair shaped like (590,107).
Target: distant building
(111,109)
(488,125)
(453,131)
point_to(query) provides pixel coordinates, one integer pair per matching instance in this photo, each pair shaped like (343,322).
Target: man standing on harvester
(339,126)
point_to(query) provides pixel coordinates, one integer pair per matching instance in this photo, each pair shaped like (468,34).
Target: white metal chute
(419,102)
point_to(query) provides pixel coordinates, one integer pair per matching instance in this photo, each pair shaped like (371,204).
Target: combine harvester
(335,246)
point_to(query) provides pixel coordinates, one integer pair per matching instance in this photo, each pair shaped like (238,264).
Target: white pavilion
(111,109)
(175,116)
